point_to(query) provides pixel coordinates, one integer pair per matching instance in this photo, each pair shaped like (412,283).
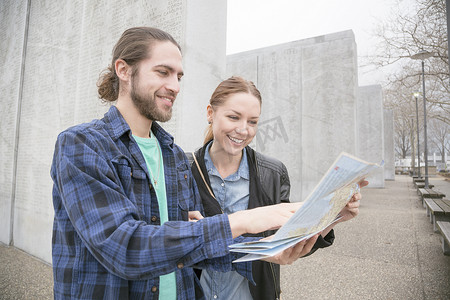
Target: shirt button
(154,289)
(222,184)
(185,176)
(150,186)
(215,296)
(180,265)
(154,218)
(131,173)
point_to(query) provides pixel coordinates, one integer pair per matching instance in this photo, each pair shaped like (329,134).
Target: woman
(231,176)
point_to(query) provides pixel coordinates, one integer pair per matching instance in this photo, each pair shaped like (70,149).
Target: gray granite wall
(389,151)
(12,34)
(68,44)
(309,90)
(370,130)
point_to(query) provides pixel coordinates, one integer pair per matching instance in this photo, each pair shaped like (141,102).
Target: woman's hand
(351,210)
(291,254)
(194,216)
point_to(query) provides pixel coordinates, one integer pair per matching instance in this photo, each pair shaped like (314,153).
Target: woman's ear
(209,113)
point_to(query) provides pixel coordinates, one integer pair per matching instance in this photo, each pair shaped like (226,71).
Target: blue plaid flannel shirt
(107,239)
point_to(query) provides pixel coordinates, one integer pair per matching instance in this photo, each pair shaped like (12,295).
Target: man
(123,191)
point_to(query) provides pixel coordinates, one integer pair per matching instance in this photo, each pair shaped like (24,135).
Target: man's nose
(173,84)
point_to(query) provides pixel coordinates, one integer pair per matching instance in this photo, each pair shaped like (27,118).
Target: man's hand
(261,218)
(291,254)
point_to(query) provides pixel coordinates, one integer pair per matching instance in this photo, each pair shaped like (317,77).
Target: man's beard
(146,105)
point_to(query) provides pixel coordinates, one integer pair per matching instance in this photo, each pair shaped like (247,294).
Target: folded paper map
(320,209)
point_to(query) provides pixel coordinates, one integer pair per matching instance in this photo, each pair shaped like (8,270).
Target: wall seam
(19,113)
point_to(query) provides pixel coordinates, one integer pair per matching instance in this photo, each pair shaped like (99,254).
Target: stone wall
(389,151)
(370,130)
(53,52)
(309,90)
(13,17)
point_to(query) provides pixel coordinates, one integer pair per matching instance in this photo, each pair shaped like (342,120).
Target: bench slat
(444,204)
(422,185)
(434,207)
(444,228)
(429,193)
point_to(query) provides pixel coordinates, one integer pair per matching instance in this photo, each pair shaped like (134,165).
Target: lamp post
(413,152)
(422,55)
(416,96)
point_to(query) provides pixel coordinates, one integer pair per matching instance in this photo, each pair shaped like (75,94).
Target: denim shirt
(232,193)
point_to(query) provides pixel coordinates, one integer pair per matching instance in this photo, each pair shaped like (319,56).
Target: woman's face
(234,124)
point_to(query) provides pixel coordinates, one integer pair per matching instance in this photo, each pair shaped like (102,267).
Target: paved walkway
(22,276)
(388,252)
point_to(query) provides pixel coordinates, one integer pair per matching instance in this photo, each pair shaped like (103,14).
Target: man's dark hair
(133,46)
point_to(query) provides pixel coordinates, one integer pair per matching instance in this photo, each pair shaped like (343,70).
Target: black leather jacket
(269,184)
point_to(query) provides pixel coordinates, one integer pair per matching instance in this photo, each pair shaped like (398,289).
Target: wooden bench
(429,193)
(421,185)
(419,181)
(444,229)
(437,210)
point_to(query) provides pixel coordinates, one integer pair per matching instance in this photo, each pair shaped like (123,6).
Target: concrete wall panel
(69,43)
(370,136)
(308,115)
(389,150)
(13,16)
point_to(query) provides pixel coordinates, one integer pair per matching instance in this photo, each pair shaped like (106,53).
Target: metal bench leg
(445,246)
(435,229)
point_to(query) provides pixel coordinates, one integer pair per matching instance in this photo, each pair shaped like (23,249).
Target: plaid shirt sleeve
(110,223)
(225,263)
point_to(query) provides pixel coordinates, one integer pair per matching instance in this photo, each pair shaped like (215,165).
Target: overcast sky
(254,24)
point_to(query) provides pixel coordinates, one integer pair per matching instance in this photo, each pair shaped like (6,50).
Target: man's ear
(123,70)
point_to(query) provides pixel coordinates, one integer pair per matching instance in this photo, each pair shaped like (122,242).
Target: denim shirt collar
(242,172)
(118,127)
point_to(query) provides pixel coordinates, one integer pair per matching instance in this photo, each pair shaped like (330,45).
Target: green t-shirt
(153,158)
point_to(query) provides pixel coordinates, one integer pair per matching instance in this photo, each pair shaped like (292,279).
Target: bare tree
(408,31)
(402,140)
(440,137)
(403,106)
